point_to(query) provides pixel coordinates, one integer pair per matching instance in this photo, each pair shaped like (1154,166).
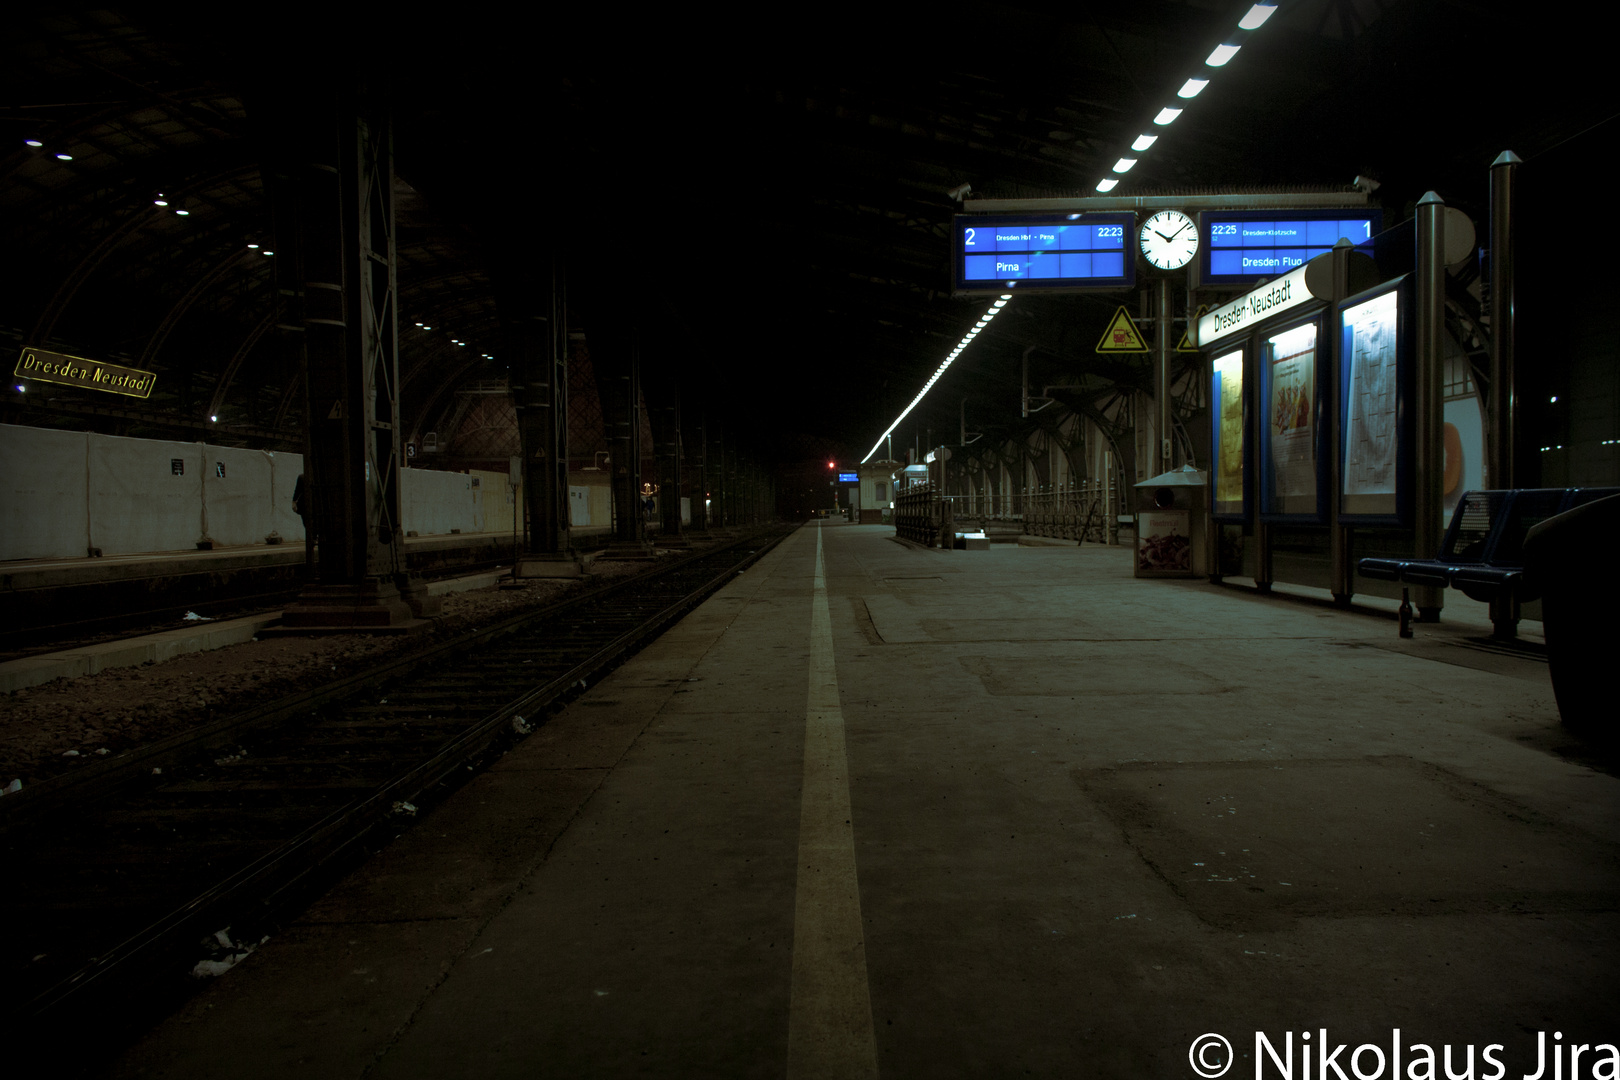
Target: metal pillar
(630,518)
(700,490)
(719,485)
(1342,577)
(1500,433)
(1161,377)
(344,174)
(1429,457)
(615,357)
(537,344)
(667,437)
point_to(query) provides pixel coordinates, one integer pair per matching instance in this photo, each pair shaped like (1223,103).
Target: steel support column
(719,484)
(1161,377)
(615,357)
(345,191)
(667,443)
(1342,576)
(700,489)
(1500,434)
(1429,457)
(536,331)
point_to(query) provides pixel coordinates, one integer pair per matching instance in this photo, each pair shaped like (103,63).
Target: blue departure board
(1045,251)
(1238,246)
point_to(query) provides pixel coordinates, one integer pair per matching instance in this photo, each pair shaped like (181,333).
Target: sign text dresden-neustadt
(1269,299)
(64,370)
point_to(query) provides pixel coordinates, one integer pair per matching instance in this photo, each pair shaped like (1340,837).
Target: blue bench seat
(1482,554)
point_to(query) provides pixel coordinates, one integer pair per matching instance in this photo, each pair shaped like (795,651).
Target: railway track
(22,637)
(128,873)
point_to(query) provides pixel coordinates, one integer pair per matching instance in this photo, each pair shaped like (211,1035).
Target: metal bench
(1482,554)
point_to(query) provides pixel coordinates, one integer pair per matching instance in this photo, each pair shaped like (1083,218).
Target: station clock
(1169,239)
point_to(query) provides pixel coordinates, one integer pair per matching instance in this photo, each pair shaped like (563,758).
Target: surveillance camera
(1366,183)
(960,192)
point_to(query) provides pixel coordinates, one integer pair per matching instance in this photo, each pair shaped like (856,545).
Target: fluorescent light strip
(929,385)
(1252,20)
(1257,15)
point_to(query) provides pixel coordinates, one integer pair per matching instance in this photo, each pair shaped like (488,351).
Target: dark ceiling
(768,192)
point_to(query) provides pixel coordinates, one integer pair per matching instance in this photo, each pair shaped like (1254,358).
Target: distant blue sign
(849,478)
(1045,251)
(1239,246)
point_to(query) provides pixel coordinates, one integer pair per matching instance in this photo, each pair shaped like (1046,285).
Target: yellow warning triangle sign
(1185,344)
(1122,335)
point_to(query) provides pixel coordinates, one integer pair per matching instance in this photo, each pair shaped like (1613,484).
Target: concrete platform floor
(1085,821)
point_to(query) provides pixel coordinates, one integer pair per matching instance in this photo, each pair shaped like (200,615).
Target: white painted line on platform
(830,1017)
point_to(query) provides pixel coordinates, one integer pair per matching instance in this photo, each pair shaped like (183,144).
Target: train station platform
(875,810)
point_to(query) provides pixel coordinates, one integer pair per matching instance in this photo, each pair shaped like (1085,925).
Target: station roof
(771,192)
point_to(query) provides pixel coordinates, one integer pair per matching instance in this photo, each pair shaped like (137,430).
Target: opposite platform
(1089,820)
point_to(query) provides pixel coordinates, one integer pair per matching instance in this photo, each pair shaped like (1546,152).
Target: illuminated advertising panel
(1229,442)
(1240,246)
(1293,445)
(1375,374)
(995,252)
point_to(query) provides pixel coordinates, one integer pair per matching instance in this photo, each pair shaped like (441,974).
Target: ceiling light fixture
(1000,302)
(1218,57)
(1256,16)
(32,142)
(64,157)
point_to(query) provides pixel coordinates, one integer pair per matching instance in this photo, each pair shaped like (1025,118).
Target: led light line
(983,322)
(1251,21)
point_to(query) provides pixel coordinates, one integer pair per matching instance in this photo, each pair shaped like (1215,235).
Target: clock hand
(1163,237)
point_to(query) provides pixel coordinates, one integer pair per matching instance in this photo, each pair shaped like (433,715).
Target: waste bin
(1172,525)
(1569,559)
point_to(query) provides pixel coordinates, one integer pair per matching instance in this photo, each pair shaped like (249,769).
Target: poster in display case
(1375,376)
(1293,444)
(1229,443)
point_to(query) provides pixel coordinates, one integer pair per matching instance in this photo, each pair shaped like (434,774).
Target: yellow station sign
(1122,335)
(64,370)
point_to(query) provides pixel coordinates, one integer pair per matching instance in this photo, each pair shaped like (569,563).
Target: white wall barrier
(435,503)
(44,481)
(67,492)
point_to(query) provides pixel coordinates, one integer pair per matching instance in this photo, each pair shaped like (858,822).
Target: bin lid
(1186,476)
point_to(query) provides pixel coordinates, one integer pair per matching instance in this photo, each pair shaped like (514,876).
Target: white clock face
(1169,239)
